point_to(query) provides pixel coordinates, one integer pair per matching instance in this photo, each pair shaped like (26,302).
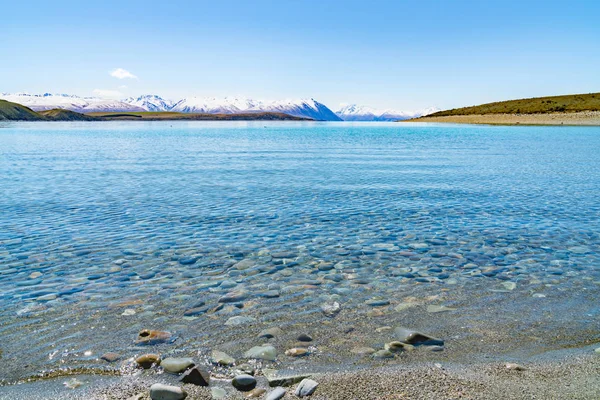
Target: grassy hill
(16,112)
(539,105)
(58,114)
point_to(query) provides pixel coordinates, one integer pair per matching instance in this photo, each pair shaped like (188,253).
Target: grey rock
(270,333)
(276,378)
(416,338)
(234,297)
(176,365)
(221,358)
(383,354)
(196,376)
(304,338)
(276,394)
(266,352)
(158,391)
(239,320)
(306,388)
(331,309)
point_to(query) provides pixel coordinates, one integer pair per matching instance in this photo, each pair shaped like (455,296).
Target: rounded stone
(276,394)
(244,382)
(221,358)
(110,357)
(296,352)
(158,391)
(176,365)
(383,354)
(148,360)
(256,392)
(306,388)
(266,352)
(305,338)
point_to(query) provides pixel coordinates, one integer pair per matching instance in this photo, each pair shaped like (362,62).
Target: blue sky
(386,54)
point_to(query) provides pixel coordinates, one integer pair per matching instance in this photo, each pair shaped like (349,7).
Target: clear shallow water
(500,223)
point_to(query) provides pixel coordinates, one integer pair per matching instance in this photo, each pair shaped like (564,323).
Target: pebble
(270,333)
(383,354)
(306,388)
(509,285)
(110,357)
(395,347)
(415,338)
(239,320)
(363,350)
(436,309)
(234,297)
(296,352)
(266,352)
(256,392)
(244,382)
(276,378)
(514,367)
(404,306)
(221,358)
(377,303)
(128,312)
(176,365)
(151,337)
(245,369)
(158,391)
(331,309)
(148,360)
(304,338)
(196,376)
(276,394)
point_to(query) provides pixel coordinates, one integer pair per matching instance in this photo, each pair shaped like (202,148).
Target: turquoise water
(166,217)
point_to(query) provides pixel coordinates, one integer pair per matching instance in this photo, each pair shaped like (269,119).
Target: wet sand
(573,376)
(590,118)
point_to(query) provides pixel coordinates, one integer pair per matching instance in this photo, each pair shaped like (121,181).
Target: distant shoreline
(583,118)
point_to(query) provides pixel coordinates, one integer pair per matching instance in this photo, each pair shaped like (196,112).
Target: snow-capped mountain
(230,105)
(303,108)
(150,102)
(48,101)
(355,112)
(306,108)
(213,105)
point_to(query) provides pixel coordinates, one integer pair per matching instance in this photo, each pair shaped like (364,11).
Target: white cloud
(121,73)
(123,87)
(111,94)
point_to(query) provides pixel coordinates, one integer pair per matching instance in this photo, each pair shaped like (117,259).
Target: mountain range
(355,112)
(306,108)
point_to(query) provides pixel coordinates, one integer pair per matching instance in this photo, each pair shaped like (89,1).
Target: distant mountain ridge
(303,108)
(49,101)
(354,112)
(307,108)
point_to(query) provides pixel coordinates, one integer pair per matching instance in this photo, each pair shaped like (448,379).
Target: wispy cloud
(121,73)
(110,94)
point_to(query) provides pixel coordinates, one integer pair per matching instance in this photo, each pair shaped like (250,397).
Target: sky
(403,55)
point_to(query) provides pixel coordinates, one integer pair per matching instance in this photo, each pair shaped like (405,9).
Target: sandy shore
(579,118)
(572,377)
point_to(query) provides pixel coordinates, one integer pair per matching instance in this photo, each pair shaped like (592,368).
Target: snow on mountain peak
(354,112)
(304,108)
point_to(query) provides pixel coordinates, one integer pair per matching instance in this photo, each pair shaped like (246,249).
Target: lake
(486,237)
